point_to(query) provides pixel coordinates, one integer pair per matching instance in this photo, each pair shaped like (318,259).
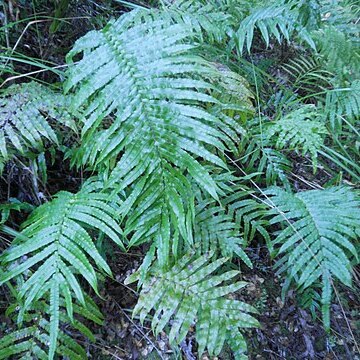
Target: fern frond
(342,103)
(25,113)
(204,17)
(317,242)
(258,158)
(277,20)
(251,214)
(339,52)
(190,295)
(308,76)
(55,245)
(215,229)
(33,340)
(300,129)
(145,102)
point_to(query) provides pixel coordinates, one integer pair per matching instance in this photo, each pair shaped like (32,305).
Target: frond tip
(190,295)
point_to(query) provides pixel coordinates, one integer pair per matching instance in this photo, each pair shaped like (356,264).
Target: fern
(161,109)
(215,226)
(188,293)
(278,20)
(339,52)
(301,129)
(204,17)
(316,239)
(307,76)
(54,245)
(159,130)
(252,215)
(265,161)
(342,103)
(25,113)
(31,341)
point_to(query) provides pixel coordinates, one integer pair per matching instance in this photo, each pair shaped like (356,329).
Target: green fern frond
(266,161)
(188,294)
(55,245)
(146,103)
(157,99)
(300,129)
(316,242)
(342,103)
(307,75)
(215,229)
(277,20)
(204,17)
(33,340)
(340,52)
(251,214)
(25,113)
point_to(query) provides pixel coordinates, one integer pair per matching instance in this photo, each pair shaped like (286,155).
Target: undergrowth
(185,146)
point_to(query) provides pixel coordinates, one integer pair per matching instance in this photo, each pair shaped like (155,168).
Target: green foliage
(204,17)
(160,127)
(343,103)
(340,53)
(189,294)
(26,111)
(277,20)
(316,240)
(169,132)
(301,129)
(308,76)
(32,339)
(54,245)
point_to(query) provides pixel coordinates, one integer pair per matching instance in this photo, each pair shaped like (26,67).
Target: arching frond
(206,18)
(307,76)
(340,52)
(145,102)
(316,242)
(215,229)
(55,245)
(188,294)
(279,20)
(157,100)
(343,103)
